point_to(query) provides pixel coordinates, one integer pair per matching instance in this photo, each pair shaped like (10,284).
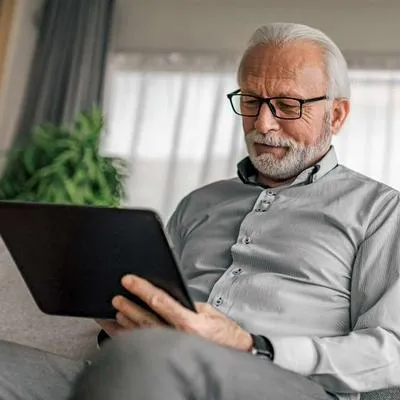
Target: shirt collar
(247,172)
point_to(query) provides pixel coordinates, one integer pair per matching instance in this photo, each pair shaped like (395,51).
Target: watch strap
(262,347)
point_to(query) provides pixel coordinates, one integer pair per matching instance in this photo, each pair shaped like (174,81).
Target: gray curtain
(69,63)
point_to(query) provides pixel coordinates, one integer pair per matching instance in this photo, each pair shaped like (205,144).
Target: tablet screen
(73,257)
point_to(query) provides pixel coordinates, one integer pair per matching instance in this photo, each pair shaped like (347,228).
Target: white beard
(296,159)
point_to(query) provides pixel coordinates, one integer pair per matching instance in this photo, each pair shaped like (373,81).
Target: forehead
(293,67)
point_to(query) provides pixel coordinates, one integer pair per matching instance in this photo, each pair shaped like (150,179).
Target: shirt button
(219,301)
(246,240)
(237,271)
(269,199)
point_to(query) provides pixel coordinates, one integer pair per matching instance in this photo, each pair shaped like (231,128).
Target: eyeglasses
(248,105)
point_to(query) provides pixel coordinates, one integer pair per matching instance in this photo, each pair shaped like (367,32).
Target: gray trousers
(151,364)
(27,374)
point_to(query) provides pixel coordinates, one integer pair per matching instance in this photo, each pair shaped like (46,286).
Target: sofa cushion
(22,321)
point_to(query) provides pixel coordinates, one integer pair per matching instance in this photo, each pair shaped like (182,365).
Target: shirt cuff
(297,354)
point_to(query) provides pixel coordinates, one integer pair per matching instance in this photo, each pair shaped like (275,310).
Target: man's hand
(207,322)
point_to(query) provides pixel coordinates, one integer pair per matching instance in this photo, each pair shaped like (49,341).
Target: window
(371,137)
(169,116)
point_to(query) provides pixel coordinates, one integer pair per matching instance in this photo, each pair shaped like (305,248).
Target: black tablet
(72,258)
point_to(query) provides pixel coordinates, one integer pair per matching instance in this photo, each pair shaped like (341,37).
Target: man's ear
(340,111)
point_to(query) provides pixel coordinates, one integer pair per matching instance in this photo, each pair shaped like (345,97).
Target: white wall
(356,25)
(18,60)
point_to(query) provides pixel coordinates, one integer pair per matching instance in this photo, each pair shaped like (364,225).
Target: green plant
(62,165)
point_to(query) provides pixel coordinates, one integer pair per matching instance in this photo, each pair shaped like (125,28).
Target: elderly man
(295,265)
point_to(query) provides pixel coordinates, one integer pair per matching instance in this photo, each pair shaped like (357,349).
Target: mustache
(271,140)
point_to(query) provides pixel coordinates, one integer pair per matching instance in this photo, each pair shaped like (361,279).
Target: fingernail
(116,301)
(128,280)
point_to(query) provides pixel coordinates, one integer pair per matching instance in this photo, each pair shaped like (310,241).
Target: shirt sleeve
(174,228)
(368,358)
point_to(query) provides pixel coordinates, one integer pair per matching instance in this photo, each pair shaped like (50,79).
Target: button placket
(265,202)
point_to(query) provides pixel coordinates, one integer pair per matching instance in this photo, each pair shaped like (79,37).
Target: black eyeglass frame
(267,100)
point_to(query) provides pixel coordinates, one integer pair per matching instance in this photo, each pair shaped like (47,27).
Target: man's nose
(266,121)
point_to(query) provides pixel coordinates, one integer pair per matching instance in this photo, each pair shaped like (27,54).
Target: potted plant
(63,165)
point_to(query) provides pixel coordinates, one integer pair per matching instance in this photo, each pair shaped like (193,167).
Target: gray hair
(281,33)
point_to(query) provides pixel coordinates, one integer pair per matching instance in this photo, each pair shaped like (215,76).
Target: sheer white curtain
(169,116)
(370,140)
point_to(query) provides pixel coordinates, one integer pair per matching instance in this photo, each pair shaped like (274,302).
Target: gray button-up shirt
(314,266)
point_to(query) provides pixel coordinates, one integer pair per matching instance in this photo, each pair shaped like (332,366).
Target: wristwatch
(262,347)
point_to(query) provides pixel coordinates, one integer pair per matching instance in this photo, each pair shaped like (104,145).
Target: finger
(159,301)
(125,322)
(135,313)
